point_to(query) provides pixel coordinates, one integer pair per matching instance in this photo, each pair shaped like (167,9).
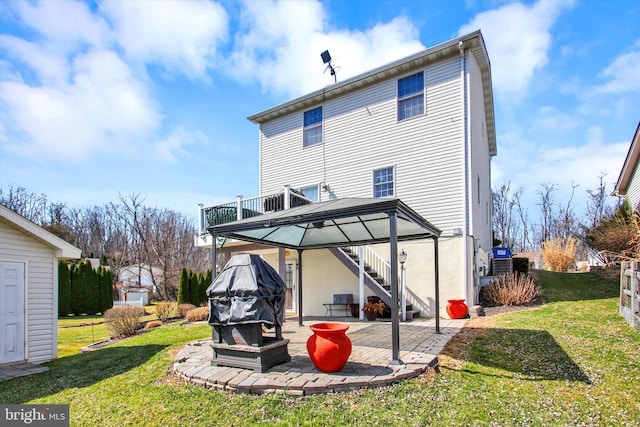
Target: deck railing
(248,207)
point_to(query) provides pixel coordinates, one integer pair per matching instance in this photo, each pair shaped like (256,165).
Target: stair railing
(378,264)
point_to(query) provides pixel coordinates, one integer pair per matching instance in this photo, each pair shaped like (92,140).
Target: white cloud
(65,25)
(559,164)
(551,120)
(69,92)
(175,144)
(622,74)
(283,54)
(518,39)
(182,36)
(103,108)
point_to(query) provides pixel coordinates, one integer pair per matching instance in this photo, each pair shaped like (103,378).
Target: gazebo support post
(300,287)
(437,284)
(395,321)
(213,258)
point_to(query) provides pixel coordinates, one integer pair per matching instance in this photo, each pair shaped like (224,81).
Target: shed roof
(62,248)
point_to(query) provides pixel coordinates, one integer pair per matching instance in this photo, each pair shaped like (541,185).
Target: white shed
(29,288)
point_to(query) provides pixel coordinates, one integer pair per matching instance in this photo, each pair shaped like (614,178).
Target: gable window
(312,127)
(411,96)
(383,182)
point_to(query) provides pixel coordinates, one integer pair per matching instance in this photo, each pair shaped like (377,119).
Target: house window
(411,96)
(383,182)
(312,127)
(310,193)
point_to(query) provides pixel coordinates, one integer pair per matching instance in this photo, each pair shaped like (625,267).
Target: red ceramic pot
(457,309)
(329,347)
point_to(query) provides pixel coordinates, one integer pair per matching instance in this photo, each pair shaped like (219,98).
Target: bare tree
(546,211)
(597,207)
(30,205)
(565,224)
(525,243)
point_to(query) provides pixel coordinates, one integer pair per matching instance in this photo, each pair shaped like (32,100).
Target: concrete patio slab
(20,369)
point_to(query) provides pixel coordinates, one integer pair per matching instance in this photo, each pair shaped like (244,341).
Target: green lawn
(572,362)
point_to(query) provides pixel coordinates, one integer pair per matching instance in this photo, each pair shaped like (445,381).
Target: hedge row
(193,286)
(83,290)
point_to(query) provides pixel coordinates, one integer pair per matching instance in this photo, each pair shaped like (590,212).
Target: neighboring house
(136,281)
(420,129)
(628,184)
(29,288)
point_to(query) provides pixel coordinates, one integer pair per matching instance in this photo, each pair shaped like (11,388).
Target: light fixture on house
(324,186)
(402,257)
(326,58)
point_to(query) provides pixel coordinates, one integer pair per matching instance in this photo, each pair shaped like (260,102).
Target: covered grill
(247,295)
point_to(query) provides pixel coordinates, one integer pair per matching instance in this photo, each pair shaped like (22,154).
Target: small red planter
(457,309)
(329,347)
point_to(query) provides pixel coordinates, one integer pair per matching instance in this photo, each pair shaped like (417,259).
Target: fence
(630,292)
(134,303)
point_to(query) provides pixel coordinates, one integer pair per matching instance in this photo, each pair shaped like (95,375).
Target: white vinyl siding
(480,160)
(633,191)
(361,134)
(41,289)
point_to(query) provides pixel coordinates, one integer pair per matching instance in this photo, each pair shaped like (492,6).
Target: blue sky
(151,97)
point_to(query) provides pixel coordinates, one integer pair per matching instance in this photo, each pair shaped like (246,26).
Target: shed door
(11,312)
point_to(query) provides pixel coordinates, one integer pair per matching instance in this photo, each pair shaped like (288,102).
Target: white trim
(373,181)
(54,324)
(63,249)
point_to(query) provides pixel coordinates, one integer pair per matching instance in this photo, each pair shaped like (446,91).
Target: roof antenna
(326,58)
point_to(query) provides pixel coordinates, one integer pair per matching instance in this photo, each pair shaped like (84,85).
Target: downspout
(467,160)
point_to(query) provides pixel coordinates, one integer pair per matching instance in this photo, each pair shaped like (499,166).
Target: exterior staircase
(377,272)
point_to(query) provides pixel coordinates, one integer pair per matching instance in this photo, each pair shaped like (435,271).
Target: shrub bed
(511,289)
(123,321)
(165,310)
(184,308)
(198,314)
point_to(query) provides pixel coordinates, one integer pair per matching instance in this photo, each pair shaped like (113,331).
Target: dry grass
(511,289)
(153,324)
(559,254)
(197,314)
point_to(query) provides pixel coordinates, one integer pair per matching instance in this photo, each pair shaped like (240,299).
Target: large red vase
(457,309)
(329,347)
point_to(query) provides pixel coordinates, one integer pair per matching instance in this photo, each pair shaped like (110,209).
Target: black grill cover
(248,290)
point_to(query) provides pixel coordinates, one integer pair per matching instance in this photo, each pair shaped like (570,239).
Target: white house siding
(481,203)
(361,133)
(633,192)
(40,293)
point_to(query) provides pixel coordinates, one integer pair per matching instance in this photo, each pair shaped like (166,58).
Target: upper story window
(383,182)
(411,96)
(312,127)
